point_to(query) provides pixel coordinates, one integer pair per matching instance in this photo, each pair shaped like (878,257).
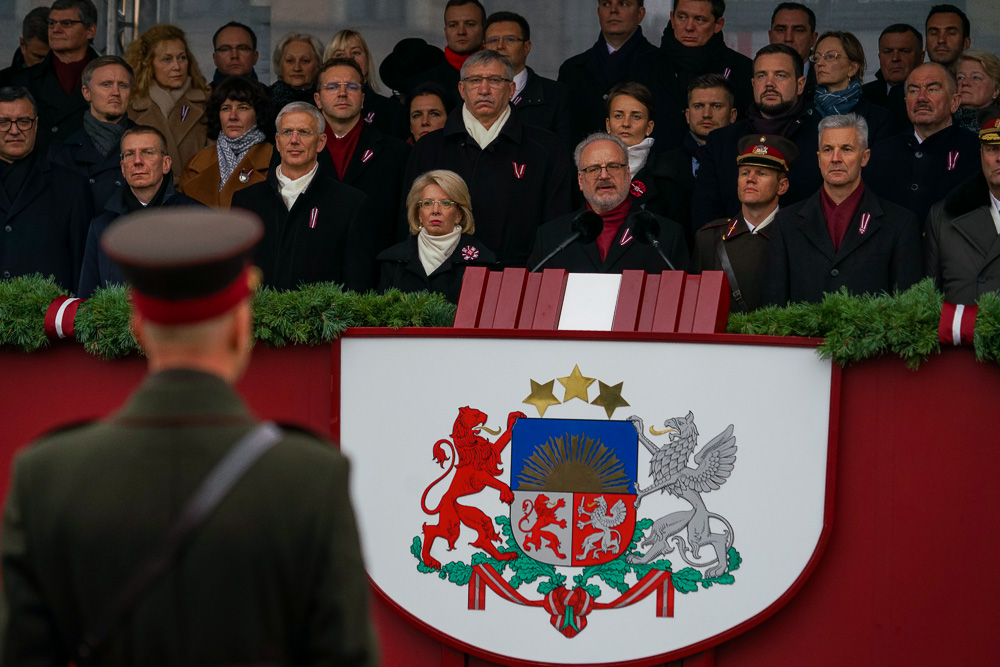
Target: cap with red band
(185,267)
(989,131)
(767,150)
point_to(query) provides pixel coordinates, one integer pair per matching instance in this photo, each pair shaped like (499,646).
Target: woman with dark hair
(839,63)
(429,108)
(297,59)
(239,115)
(439,212)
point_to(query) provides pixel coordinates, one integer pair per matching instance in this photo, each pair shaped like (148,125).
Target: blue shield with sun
(574,489)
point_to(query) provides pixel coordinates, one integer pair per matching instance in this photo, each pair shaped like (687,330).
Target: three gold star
(610,398)
(541,396)
(576,385)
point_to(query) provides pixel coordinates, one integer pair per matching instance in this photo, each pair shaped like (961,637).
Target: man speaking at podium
(612,233)
(180,531)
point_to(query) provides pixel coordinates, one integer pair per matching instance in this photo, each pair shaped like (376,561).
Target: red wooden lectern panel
(671,302)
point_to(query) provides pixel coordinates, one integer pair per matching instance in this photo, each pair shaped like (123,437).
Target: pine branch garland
(23,302)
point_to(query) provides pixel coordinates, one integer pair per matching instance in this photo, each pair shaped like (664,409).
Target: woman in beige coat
(169,91)
(239,118)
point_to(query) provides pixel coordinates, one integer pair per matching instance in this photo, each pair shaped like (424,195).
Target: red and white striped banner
(958,324)
(59,317)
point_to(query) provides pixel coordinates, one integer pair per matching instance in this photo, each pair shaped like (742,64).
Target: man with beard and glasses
(917,168)
(780,109)
(519,176)
(604,177)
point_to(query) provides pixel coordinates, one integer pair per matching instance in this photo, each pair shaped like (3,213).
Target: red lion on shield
(478,467)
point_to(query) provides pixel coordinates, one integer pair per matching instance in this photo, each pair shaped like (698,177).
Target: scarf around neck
(480,134)
(638,154)
(692,61)
(433,250)
(837,102)
(231,151)
(106,136)
(776,124)
(165,99)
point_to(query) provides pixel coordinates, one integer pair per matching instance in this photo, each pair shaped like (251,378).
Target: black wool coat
(545,103)
(626,251)
(801,264)
(103,172)
(715,186)
(401,268)
(44,228)
(663,186)
(326,236)
(878,92)
(521,180)
(917,175)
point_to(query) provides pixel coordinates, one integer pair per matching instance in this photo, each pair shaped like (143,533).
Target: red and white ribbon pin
(370,118)
(367,156)
(184,112)
(626,237)
(952,160)
(518,169)
(865,219)
(313,216)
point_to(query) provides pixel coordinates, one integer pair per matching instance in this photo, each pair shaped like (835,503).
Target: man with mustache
(45,209)
(519,176)
(780,109)
(842,236)
(899,53)
(962,237)
(916,169)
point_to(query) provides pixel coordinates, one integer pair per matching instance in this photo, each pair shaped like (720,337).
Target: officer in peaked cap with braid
(737,245)
(270,574)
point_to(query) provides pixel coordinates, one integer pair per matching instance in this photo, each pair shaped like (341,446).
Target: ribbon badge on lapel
(516,100)
(626,237)
(518,170)
(370,118)
(184,112)
(726,73)
(313,216)
(952,160)
(865,219)
(245,175)
(470,252)
(638,188)
(367,156)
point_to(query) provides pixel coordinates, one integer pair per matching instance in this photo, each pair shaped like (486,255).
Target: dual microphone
(587,226)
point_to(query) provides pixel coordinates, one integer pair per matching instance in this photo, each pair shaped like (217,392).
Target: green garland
(853,327)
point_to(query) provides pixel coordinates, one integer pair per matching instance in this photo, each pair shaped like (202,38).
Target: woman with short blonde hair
(296,60)
(386,113)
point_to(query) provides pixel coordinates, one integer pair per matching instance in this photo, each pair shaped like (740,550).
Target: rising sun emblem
(578,462)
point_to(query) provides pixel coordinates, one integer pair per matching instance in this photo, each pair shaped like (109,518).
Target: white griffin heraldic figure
(606,540)
(671,473)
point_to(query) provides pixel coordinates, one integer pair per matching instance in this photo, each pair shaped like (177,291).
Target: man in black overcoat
(899,53)
(519,176)
(272,575)
(316,229)
(604,178)
(842,236)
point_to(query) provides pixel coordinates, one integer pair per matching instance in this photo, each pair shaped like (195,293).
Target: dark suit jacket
(44,228)
(877,92)
(663,186)
(275,576)
(523,179)
(339,247)
(544,103)
(103,172)
(59,114)
(801,264)
(401,268)
(626,251)
(98,269)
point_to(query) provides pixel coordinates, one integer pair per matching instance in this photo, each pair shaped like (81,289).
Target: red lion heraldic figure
(545,513)
(478,467)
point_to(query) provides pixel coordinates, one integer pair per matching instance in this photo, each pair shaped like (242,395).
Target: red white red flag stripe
(958,324)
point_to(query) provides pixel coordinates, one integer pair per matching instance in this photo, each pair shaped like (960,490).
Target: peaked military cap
(767,150)
(989,130)
(188,266)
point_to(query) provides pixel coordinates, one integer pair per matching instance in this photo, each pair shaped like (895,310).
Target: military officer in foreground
(737,245)
(272,573)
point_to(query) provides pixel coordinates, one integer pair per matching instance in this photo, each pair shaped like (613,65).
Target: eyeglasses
(476,81)
(334,86)
(24,123)
(303,134)
(429,203)
(65,23)
(242,49)
(144,153)
(829,56)
(613,169)
(506,39)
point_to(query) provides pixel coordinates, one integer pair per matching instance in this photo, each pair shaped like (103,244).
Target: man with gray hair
(604,179)
(842,236)
(519,176)
(316,229)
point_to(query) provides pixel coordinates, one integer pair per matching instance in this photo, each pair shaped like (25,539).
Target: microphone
(586,227)
(646,228)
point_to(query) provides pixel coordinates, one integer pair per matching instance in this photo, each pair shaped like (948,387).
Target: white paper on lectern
(589,302)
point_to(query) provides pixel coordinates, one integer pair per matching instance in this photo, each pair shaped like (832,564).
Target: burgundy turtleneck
(613,221)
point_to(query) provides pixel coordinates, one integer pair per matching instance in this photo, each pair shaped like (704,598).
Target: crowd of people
(733,157)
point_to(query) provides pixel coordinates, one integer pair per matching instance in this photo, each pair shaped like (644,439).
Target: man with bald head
(919,167)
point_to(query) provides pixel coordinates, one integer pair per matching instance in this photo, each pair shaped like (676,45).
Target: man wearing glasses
(359,154)
(519,176)
(45,208)
(56,81)
(539,101)
(316,229)
(234,52)
(604,179)
(145,165)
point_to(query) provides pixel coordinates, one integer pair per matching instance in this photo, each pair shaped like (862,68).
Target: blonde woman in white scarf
(439,213)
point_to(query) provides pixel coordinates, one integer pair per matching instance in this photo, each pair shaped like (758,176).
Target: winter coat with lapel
(401,268)
(200,179)
(186,129)
(103,172)
(544,103)
(880,252)
(326,236)
(961,244)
